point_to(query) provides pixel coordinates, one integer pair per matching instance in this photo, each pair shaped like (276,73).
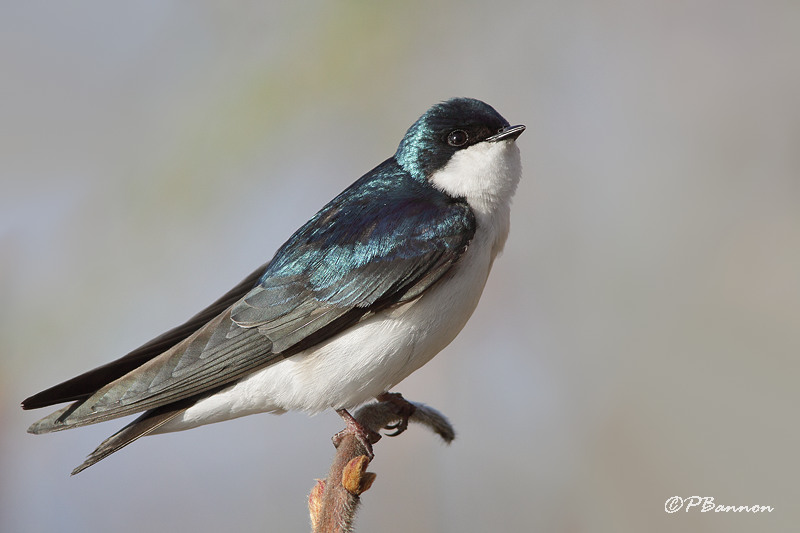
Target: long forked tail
(142,426)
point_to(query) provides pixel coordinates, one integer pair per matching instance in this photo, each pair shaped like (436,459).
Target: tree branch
(333,502)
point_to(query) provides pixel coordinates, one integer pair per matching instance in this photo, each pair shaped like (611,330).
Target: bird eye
(457,138)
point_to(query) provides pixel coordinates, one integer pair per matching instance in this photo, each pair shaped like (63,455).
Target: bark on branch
(333,502)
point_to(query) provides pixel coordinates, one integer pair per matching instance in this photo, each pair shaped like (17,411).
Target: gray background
(638,339)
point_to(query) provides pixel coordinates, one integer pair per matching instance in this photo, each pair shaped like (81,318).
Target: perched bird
(363,294)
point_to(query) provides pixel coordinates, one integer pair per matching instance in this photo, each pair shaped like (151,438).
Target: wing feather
(205,361)
(84,385)
(382,242)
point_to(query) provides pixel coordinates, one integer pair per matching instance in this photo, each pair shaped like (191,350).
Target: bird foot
(402,407)
(365,436)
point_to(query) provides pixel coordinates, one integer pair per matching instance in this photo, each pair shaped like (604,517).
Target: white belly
(362,362)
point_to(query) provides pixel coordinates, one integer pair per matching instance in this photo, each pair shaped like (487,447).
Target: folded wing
(374,246)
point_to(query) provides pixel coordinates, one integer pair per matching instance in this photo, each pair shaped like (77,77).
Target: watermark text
(708,505)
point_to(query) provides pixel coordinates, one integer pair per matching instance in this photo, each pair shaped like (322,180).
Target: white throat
(486,175)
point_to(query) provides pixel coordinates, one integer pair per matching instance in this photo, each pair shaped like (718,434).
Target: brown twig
(332,503)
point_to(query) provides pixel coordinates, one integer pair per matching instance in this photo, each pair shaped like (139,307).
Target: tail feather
(142,426)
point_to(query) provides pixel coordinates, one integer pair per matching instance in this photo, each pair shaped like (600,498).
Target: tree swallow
(363,294)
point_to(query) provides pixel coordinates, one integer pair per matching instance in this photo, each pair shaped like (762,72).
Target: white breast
(376,354)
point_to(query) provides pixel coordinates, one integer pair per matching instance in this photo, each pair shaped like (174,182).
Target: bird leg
(365,436)
(402,407)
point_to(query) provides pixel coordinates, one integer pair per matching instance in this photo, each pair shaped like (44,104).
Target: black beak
(509,133)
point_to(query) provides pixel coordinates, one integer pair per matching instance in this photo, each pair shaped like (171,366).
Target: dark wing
(379,243)
(205,361)
(83,386)
(355,258)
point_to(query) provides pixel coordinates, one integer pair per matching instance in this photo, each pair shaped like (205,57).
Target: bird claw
(399,428)
(365,436)
(402,407)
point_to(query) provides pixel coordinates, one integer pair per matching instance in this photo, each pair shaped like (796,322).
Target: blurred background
(638,340)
